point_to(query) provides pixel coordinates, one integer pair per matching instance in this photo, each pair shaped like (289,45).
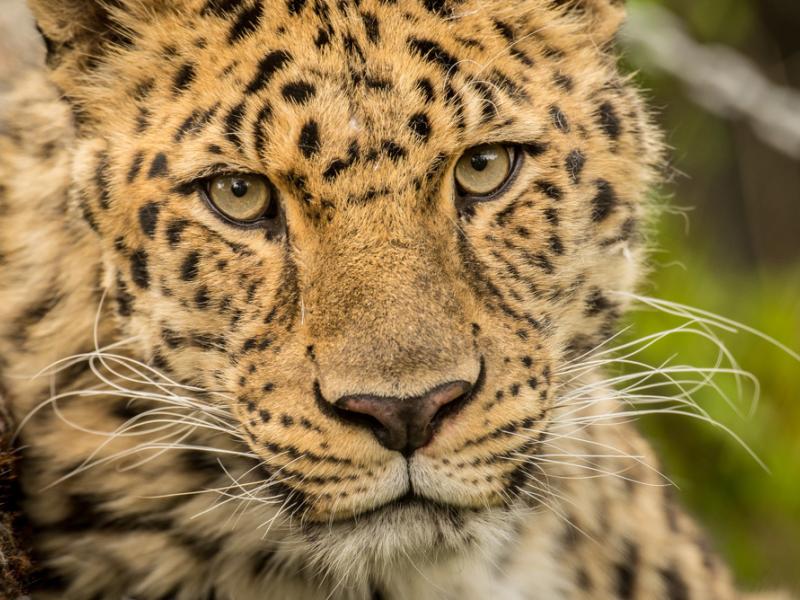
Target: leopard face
(387,340)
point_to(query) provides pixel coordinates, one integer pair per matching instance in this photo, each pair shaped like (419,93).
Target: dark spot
(604,201)
(549,189)
(148,218)
(175,231)
(563,81)
(375,83)
(184,78)
(201,297)
(323,38)
(609,121)
(159,167)
(189,268)
(233,124)
(295,6)
(626,571)
(556,245)
(503,29)
(574,164)
(267,67)
(426,88)
(221,8)
(139,272)
(299,92)
(287,421)
(309,139)
(136,167)
(559,119)
(371,26)
(247,23)
(420,125)
(675,585)
(433,52)
(393,150)
(596,303)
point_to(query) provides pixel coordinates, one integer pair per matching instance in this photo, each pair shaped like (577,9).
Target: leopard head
(376,230)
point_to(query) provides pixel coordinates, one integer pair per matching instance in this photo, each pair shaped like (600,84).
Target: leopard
(300,300)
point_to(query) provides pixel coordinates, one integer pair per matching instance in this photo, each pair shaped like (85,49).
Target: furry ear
(77,32)
(72,25)
(603,18)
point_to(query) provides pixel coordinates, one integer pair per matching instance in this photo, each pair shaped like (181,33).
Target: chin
(406,532)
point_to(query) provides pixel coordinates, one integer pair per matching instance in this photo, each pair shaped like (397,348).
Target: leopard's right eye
(243,198)
(483,170)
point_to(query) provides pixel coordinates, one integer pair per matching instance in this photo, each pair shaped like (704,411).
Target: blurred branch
(717,77)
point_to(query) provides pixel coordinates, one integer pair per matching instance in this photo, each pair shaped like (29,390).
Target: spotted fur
(218,467)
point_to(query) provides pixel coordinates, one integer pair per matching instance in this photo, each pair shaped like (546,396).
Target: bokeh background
(723,78)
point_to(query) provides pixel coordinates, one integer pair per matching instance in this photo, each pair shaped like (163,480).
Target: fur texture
(179,439)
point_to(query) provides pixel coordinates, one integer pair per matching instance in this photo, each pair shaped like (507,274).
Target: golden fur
(185,445)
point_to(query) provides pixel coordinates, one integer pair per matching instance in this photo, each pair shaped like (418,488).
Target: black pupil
(239,187)
(479,161)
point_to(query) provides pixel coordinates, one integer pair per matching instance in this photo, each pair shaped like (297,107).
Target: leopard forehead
(378,284)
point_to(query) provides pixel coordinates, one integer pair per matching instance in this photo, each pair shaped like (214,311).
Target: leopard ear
(602,18)
(73,25)
(77,32)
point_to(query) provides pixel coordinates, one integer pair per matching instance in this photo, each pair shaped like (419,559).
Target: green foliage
(753,515)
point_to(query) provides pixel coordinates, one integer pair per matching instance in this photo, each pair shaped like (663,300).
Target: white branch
(717,77)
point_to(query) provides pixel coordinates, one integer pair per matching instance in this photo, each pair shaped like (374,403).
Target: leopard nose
(405,424)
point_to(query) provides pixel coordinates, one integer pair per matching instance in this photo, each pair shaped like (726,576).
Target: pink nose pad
(404,424)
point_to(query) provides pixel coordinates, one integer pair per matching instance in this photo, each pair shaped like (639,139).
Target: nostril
(359,419)
(450,409)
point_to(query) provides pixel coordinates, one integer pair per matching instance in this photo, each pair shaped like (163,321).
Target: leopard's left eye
(242,198)
(483,170)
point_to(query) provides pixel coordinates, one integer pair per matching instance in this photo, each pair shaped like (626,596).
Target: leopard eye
(481,171)
(242,198)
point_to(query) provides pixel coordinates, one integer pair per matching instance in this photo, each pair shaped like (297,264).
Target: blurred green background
(739,256)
